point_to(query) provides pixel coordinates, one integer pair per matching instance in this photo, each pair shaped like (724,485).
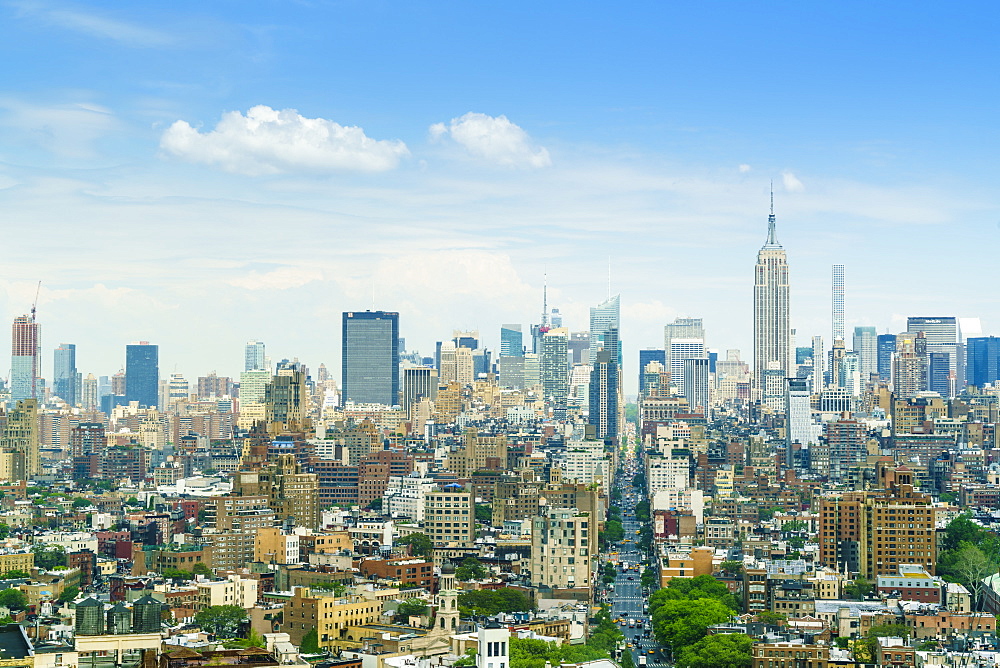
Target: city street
(627,601)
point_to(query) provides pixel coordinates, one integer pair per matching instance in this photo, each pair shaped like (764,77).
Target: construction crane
(34,304)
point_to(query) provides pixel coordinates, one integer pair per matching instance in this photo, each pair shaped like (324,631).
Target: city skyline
(669,180)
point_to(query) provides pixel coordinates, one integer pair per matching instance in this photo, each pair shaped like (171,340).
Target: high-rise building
(554,369)
(818,361)
(449,517)
(645,357)
(255,359)
(771,307)
(983,360)
(683,339)
(604,317)
(457,364)
(798,413)
(90,397)
(910,365)
(866,346)
(25,365)
(511,341)
(939,373)
(885,349)
(943,336)
(66,379)
(20,450)
(837,302)
(142,373)
(604,394)
(419,383)
(370,366)
(696,385)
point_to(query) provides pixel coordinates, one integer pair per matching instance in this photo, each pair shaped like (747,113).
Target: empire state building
(771,330)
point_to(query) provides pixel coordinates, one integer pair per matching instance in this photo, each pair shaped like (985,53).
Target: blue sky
(198,174)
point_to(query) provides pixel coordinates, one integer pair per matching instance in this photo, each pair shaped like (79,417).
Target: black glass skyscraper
(370,361)
(142,373)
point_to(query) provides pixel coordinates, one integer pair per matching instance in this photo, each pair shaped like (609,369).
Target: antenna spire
(772,239)
(545,299)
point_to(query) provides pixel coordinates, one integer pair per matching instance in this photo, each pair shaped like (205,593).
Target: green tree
(701,587)
(962,530)
(412,607)
(867,649)
(613,531)
(13,575)
(484,514)
(4,531)
(68,594)
(725,650)
(420,544)
(201,568)
(642,511)
(683,622)
(626,660)
(81,503)
(493,601)
(771,618)
(222,620)
(48,557)
(969,565)
(731,567)
(177,574)
(650,577)
(310,642)
(471,569)
(858,589)
(13,599)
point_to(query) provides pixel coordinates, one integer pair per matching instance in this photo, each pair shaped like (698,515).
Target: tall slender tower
(24,359)
(771,330)
(837,302)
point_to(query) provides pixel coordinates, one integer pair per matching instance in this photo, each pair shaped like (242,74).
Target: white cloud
(68,130)
(494,138)
(282,278)
(792,183)
(96,26)
(269,141)
(744,168)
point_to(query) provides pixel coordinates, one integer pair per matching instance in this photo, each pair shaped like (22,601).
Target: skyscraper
(866,346)
(943,336)
(683,339)
(604,392)
(65,378)
(24,359)
(910,365)
(886,348)
(255,359)
(818,361)
(370,360)
(555,370)
(696,385)
(771,318)
(603,317)
(645,357)
(511,341)
(837,303)
(142,373)
(984,360)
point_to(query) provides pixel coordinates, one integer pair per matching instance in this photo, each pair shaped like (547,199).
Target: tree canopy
(471,569)
(682,622)
(492,601)
(420,544)
(724,650)
(48,557)
(412,607)
(530,653)
(222,620)
(13,599)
